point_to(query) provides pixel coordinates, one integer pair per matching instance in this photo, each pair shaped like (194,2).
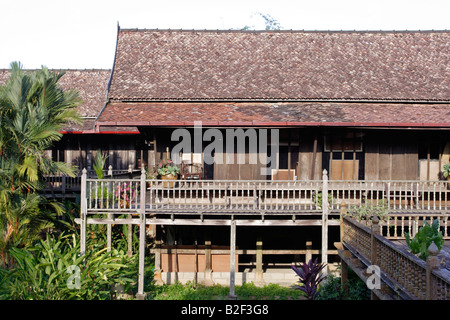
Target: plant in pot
(446,171)
(167,170)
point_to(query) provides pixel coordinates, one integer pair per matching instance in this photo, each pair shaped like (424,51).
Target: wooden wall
(305,152)
(404,155)
(301,155)
(80,150)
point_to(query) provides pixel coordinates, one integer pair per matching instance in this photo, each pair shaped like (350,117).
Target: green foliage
(166,167)
(331,289)
(99,164)
(247,291)
(270,23)
(446,171)
(22,221)
(317,198)
(47,271)
(366,211)
(426,235)
(33,109)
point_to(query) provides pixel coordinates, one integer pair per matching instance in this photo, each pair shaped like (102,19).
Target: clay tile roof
(281,114)
(92,85)
(168,65)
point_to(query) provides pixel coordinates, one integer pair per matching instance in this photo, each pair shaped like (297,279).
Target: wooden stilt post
(325,221)
(308,255)
(207,281)
(176,261)
(195,263)
(232,295)
(83,212)
(259,280)
(157,272)
(142,223)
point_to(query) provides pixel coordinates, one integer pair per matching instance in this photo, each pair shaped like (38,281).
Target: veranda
(256,203)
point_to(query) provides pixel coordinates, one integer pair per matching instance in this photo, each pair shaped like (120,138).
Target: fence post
(432,264)
(375,229)
(344,267)
(83,212)
(373,244)
(343,213)
(142,223)
(325,220)
(130,171)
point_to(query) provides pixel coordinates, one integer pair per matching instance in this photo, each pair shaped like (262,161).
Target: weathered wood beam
(259,262)
(209,222)
(232,295)
(142,235)
(325,221)
(83,212)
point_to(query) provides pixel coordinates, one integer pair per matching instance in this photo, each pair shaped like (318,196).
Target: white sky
(81,34)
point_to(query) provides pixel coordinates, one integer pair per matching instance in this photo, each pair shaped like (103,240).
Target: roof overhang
(285,114)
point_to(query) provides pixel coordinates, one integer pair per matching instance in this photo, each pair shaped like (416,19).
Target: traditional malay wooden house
(361,107)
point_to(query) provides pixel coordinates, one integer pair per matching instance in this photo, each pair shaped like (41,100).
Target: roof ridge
(59,69)
(281,31)
(282,100)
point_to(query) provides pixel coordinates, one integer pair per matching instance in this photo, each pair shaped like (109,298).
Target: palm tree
(33,109)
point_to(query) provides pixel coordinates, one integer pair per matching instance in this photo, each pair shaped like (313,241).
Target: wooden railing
(397,224)
(266,196)
(401,195)
(61,185)
(405,273)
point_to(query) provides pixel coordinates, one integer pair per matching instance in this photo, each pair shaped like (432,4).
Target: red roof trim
(98,132)
(278,124)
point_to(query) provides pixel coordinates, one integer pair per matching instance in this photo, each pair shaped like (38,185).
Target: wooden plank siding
(391,157)
(346,153)
(80,150)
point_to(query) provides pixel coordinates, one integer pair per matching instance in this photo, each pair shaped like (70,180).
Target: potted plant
(446,171)
(167,170)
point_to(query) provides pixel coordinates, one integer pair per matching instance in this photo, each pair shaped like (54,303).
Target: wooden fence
(407,275)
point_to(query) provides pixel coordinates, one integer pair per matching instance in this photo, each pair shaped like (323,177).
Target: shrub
(310,276)
(424,238)
(366,211)
(331,289)
(54,270)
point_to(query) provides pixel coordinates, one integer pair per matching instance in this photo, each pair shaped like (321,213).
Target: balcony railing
(258,196)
